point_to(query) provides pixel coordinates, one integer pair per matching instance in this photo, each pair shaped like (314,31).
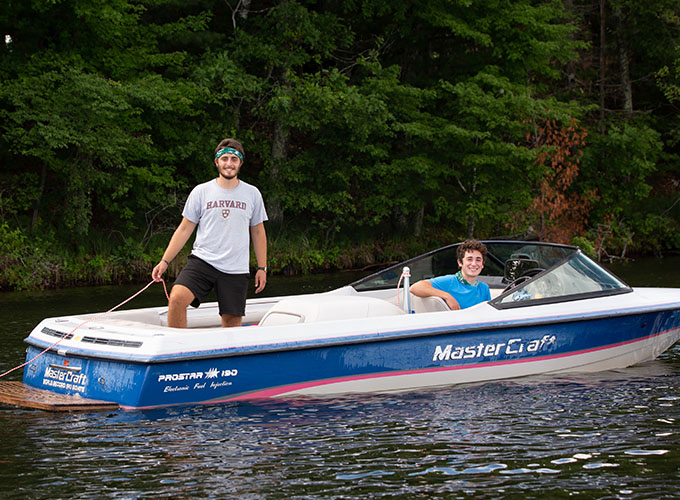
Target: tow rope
(165,288)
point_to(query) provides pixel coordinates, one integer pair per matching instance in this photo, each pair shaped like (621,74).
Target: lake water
(607,435)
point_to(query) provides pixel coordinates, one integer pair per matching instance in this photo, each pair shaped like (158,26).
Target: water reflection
(591,435)
(603,435)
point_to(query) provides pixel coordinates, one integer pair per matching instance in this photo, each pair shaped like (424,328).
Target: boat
(554,310)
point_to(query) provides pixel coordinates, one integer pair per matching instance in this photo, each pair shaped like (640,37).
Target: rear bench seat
(327,308)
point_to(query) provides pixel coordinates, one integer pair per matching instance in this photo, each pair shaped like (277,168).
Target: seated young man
(460,290)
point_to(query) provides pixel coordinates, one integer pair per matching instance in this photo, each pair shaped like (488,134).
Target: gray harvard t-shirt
(224,217)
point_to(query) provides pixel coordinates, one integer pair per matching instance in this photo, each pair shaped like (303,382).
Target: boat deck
(19,394)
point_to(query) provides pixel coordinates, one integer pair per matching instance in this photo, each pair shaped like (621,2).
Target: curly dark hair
(470,245)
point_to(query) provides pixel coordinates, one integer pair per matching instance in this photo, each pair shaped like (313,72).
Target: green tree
(82,99)
(489,64)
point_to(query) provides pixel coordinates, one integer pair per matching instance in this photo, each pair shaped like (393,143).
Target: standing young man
(463,289)
(228,212)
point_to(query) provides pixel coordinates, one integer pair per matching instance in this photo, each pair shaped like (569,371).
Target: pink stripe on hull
(277,391)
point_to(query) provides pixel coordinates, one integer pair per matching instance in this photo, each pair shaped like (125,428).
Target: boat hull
(385,362)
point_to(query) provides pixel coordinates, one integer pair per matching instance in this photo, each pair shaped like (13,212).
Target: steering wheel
(526,276)
(552,286)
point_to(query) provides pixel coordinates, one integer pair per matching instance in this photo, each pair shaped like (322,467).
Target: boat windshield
(444,261)
(578,276)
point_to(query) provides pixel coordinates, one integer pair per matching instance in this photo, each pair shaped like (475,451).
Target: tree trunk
(419,220)
(41,189)
(242,9)
(603,70)
(624,66)
(280,141)
(471,217)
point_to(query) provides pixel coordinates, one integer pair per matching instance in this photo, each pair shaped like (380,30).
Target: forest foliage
(374,129)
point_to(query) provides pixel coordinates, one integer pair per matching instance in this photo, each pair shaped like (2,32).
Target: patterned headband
(228,151)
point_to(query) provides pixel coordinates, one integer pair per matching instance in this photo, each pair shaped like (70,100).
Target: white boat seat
(327,308)
(428,304)
(421,304)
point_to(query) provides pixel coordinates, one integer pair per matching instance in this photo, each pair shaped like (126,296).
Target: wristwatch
(260,268)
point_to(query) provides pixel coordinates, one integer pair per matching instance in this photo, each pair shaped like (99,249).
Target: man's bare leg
(180,298)
(229,320)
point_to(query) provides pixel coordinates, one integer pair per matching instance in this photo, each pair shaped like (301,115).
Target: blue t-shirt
(465,295)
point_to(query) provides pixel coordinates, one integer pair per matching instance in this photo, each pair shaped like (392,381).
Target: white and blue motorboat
(553,310)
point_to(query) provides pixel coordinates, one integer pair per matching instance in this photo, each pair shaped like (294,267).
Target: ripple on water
(592,436)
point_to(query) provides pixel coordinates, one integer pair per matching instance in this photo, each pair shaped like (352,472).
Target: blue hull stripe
(345,340)
(276,391)
(279,391)
(185,380)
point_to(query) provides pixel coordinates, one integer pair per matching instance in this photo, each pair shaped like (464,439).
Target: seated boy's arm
(424,288)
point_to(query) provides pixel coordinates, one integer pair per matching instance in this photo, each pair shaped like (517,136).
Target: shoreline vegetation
(374,130)
(33,263)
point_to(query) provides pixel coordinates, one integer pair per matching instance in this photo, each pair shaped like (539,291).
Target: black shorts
(200,277)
